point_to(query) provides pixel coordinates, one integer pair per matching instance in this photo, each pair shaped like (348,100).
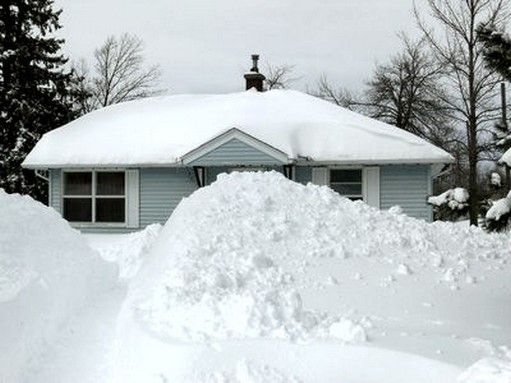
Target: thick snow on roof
(160,130)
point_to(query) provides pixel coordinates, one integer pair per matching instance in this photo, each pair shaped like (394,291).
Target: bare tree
(118,74)
(338,95)
(279,76)
(473,86)
(408,92)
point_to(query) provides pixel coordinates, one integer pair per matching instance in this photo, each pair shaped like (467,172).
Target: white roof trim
(234,133)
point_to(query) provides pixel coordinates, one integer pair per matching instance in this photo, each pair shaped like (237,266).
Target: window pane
(110,183)
(345,175)
(347,189)
(78,183)
(78,209)
(110,209)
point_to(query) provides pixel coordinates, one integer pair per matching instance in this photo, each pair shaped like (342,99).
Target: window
(347,182)
(95,196)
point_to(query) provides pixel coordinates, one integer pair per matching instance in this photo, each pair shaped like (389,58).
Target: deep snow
(161,130)
(256,278)
(47,273)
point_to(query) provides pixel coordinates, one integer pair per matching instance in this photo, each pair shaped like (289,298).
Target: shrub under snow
(47,272)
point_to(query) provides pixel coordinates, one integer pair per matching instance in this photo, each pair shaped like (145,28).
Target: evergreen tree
(35,88)
(496,49)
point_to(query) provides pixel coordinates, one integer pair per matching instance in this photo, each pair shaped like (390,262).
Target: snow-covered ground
(258,279)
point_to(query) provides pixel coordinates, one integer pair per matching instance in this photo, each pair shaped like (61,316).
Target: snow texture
(161,130)
(487,370)
(47,272)
(227,262)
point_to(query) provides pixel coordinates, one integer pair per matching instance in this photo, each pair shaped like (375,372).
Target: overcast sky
(204,45)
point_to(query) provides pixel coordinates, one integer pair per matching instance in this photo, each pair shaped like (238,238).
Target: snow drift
(47,272)
(231,260)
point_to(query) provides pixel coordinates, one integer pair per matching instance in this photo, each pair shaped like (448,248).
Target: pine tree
(497,55)
(496,49)
(35,87)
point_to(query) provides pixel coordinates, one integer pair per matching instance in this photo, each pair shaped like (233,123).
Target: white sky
(205,45)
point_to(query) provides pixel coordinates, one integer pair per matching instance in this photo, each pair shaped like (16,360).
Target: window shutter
(320,176)
(371,186)
(132,198)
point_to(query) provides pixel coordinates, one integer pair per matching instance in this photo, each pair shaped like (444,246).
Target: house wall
(161,190)
(234,153)
(407,186)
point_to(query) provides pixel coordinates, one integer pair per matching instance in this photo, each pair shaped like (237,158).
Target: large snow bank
(231,260)
(161,130)
(47,271)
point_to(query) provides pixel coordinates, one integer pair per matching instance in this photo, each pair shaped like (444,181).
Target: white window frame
(362,194)
(93,196)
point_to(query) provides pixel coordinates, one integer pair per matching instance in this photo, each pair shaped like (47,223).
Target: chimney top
(254,79)
(255,59)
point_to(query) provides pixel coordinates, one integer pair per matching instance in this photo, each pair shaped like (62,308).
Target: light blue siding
(407,186)
(55,197)
(303,174)
(235,153)
(161,190)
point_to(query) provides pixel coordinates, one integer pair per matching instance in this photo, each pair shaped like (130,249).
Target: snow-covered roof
(161,130)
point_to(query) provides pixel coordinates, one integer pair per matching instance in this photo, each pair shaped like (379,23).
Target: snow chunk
(347,331)
(495,179)
(488,370)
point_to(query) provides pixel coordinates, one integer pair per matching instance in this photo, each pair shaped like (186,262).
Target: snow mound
(47,272)
(232,258)
(488,370)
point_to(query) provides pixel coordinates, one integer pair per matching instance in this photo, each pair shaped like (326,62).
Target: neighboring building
(128,165)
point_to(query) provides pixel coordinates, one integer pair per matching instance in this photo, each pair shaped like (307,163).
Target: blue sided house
(126,166)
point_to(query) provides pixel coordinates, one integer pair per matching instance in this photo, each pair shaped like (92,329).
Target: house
(126,166)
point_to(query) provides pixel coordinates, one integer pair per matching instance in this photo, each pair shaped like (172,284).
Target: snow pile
(231,260)
(499,208)
(126,250)
(47,271)
(488,370)
(455,199)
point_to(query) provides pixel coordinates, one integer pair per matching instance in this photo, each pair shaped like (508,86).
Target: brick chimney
(254,79)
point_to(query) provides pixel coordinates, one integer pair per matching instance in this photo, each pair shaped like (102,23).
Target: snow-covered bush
(47,271)
(452,203)
(499,214)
